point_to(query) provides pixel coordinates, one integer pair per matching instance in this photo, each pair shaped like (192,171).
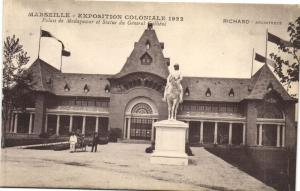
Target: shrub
(114,134)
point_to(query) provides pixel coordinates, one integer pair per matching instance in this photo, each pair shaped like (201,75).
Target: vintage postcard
(149,95)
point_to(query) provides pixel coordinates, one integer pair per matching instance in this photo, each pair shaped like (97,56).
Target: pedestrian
(72,141)
(95,142)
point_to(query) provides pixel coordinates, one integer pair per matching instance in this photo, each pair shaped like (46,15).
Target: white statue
(173,94)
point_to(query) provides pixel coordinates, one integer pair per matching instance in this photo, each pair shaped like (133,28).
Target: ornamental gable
(147,56)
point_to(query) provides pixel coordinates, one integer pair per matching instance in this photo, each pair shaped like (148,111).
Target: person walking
(95,142)
(72,141)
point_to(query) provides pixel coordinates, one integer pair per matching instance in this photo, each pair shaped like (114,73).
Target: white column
(260,135)
(83,125)
(11,123)
(97,125)
(57,124)
(187,133)
(278,136)
(152,131)
(216,133)
(128,128)
(244,133)
(71,123)
(283,135)
(30,124)
(46,123)
(16,123)
(230,134)
(201,132)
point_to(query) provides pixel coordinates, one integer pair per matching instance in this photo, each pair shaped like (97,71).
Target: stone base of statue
(170,139)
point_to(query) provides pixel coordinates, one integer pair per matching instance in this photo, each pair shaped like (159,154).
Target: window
(208,92)
(187,91)
(270,87)
(100,103)
(91,103)
(146,59)
(86,88)
(67,88)
(270,135)
(49,80)
(215,107)
(107,89)
(147,45)
(231,93)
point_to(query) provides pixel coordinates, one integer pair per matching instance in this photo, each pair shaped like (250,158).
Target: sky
(202,43)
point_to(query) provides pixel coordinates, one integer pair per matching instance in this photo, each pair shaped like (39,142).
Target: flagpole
(61,58)
(39,43)
(266,46)
(252,62)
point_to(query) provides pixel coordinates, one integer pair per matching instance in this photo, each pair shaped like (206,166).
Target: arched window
(270,120)
(148,45)
(141,108)
(271,106)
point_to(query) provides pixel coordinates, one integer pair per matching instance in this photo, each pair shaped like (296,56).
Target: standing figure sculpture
(173,94)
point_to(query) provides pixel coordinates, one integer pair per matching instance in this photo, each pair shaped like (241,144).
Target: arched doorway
(140,115)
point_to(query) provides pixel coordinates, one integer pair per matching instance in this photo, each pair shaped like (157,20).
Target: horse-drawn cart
(81,144)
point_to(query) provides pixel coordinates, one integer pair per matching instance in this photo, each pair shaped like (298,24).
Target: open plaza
(120,166)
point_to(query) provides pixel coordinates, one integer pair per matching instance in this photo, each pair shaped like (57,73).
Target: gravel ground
(120,166)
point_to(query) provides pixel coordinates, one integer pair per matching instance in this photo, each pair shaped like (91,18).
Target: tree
(288,58)
(16,79)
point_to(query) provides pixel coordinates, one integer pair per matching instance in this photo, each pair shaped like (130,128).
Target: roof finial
(150,26)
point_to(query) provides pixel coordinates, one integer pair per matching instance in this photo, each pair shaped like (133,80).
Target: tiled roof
(264,77)
(47,78)
(76,82)
(218,87)
(42,72)
(159,62)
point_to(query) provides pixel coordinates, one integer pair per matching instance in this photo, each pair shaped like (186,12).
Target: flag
(280,42)
(63,51)
(46,34)
(262,59)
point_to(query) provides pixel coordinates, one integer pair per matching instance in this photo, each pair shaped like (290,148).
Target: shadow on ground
(274,167)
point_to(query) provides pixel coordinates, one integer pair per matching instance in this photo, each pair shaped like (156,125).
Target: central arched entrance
(140,115)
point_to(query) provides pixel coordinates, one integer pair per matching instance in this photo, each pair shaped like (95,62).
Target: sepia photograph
(149,95)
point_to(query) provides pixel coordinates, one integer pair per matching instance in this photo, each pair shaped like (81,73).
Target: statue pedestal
(170,143)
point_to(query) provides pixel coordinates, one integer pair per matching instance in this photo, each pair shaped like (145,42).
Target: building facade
(230,111)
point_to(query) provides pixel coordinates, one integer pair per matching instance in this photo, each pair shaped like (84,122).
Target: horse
(173,92)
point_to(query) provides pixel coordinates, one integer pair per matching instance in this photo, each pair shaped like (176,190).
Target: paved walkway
(120,166)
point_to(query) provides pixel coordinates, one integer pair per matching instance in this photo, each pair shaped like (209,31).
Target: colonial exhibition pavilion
(230,111)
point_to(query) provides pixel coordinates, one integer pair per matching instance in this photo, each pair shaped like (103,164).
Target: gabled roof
(261,80)
(159,65)
(219,88)
(41,73)
(49,79)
